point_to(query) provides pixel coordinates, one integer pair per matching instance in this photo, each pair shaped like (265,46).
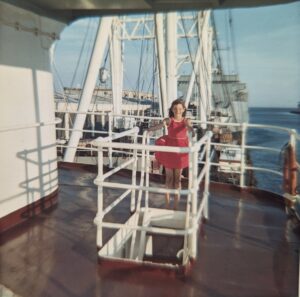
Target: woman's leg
(177,185)
(169,184)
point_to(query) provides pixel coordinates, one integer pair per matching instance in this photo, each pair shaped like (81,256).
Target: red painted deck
(250,249)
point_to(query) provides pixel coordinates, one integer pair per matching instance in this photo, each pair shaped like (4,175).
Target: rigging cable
(154,62)
(152,68)
(234,55)
(227,38)
(80,54)
(58,77)
(147,67)
(140,67)
(63,94)
(193,62)
(233,43)
(88,54)
(219,64)
(88,51)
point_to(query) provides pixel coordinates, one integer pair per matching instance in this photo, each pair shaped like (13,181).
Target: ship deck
(247,248)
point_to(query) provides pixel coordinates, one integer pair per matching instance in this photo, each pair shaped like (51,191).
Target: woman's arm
(164,122)
(188,124)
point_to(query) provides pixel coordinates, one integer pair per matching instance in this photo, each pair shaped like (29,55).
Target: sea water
(273,139)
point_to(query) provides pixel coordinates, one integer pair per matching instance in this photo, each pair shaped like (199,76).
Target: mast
(209,58)
(204,108)
(200,77)
(89,85)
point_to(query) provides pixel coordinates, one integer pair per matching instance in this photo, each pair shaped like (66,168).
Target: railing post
(102,117)
(93,123)
(67,125)
(293,163)
(293,136)
(243,155)
(134,168)
(188,239)
(139,200)
(207,177)
(110,128)
(147,172)
(143,161)
(99,215)
(195,185)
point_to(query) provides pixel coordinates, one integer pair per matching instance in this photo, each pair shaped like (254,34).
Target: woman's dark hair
(176,102)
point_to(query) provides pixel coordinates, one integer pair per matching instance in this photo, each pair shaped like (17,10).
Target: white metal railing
(27,126)
(294,137)
(194,210)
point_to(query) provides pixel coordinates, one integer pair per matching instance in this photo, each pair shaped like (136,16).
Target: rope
(219,64)
(233,43)
(193,63)
(80,53)
(234,55)
(140,64)
(88,54)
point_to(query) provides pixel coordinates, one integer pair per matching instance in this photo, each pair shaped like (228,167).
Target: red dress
(177,136)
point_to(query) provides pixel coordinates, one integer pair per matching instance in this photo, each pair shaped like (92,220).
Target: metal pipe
(67,126)
(118,168)
(157,230)
(147,173)
(39,124)
(150,189)
(207,178)
(116,202)
(100,197)
(133,177)
(243,157)
(93,124)
(110,128)
(193,248)
(153,148)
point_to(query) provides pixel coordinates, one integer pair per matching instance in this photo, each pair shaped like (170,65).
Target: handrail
(34,125)
(100,140)
(221,124)
(294,137)
(264,169)
(83,112)
(81,130)
(153,148)
(116,202)
(101,177)
(114,170)
(98,182)
(192,211)
(108,112)
(139,200)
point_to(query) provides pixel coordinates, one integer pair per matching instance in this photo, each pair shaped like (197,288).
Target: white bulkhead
(28,143)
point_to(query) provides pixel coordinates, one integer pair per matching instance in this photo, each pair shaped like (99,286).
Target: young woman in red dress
(178,128)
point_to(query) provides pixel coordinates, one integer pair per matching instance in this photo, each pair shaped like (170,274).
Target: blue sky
(267,48)
(268,53)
